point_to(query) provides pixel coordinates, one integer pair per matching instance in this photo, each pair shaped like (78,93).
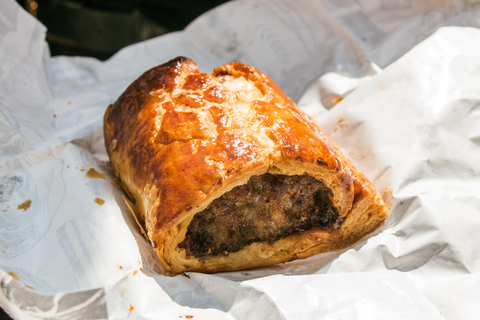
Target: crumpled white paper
(409,119)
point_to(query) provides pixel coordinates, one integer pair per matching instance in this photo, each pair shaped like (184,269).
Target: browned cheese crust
(178,139)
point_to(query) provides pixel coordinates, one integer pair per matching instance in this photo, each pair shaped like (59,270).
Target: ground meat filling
(267,208)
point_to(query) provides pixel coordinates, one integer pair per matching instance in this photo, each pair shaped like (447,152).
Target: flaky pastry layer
(178,139)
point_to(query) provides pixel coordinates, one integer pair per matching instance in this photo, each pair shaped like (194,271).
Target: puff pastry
(228,174)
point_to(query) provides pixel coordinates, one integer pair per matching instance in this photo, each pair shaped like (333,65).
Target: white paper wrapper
(409,119)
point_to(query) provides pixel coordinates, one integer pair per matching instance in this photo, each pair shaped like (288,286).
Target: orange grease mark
(99,201)
(92,173)
(120,267)
(131,308)
(25,205)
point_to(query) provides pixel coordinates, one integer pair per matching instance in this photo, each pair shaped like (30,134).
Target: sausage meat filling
(267,208)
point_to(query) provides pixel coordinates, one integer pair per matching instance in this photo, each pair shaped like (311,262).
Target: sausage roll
(228,174)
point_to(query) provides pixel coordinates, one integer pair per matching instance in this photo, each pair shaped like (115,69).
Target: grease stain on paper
(387,197)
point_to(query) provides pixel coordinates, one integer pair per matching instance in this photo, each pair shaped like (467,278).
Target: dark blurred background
(99,28)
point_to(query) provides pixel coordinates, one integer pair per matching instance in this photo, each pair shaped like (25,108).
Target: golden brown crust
(178,139)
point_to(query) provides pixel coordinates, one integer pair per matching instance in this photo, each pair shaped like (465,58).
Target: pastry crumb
(337,99)
(342,123)
(134,272)
(131,308)
(24,206)
(92,173)
(99,201)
